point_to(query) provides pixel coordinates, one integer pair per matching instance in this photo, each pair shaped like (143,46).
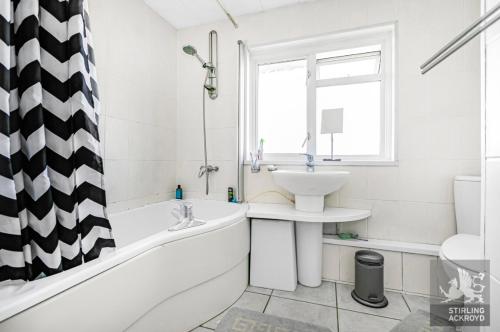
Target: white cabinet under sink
(273,263)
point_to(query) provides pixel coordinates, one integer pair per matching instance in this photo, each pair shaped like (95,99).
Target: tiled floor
(329,305)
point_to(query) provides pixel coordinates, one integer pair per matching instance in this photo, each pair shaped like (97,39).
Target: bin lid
(369,257)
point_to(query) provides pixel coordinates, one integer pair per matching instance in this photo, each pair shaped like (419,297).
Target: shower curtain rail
(463,38)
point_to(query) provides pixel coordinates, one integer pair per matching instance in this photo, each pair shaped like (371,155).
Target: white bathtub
(156,280)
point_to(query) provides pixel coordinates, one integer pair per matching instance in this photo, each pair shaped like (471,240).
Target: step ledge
(405,247)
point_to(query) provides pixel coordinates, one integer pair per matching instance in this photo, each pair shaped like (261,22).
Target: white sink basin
(310,188)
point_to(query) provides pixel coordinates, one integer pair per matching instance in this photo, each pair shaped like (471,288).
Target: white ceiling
(187,13)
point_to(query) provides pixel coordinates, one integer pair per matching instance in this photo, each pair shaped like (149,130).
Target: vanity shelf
(288,212)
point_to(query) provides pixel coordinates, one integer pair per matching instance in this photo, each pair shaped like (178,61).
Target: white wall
(136,66)
(491,163)
(438,115)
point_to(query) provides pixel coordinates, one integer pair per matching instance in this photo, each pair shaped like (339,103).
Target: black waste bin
(369,279)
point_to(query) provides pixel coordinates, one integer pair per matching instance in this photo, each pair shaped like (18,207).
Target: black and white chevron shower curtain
(52,201)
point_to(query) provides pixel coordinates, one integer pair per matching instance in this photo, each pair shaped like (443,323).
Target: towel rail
(463,38)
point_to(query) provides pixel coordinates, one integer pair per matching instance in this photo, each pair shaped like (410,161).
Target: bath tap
(207,169)
(309,162)
(184,215)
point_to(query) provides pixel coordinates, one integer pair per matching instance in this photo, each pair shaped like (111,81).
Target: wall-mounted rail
(478,26)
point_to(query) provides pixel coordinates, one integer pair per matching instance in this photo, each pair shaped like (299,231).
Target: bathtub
(156,280)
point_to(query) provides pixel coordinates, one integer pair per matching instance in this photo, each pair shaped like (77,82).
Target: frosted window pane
(361,104)
(281,106)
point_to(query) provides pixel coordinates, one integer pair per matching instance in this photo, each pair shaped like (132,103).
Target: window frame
(307,49)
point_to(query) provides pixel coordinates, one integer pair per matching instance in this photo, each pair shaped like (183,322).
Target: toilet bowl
(462,249)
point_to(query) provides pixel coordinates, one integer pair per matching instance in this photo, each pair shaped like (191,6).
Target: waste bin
(369,279)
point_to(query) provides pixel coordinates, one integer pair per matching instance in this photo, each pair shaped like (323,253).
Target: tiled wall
(136,67)
(491,163)
(402,271)
(438,115)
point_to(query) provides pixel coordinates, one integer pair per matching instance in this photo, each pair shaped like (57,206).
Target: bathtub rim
(23,299)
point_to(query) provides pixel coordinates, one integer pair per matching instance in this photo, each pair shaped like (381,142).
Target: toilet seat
(463,248)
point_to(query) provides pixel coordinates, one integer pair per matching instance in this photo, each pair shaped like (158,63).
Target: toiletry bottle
(230,194)
(178,192)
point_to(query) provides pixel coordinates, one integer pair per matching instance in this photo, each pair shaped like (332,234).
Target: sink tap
(309,162)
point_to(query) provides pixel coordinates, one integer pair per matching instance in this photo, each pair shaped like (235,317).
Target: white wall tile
(164,143)
(139,145)
(492,215)
(225,177)
(220,144)
(189,113)
(427,222)
(189,145)
(223,112)
(187,176)
(416,273)
(416,141)
(117,133)
(493,100)
(386,222)
(141,177)
(117,185)
(353,203)
(357,185)
(166,113)
(331,262)
(137,76)
(164,180)
(259,187)
(382,183)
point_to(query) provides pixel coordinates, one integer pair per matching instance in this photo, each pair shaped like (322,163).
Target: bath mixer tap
(184,215)
(309,162)
(207,169)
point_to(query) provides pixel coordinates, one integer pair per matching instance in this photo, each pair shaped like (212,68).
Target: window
(292,83)
(282,95)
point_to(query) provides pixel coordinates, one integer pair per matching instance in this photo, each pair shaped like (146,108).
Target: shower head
(190,50)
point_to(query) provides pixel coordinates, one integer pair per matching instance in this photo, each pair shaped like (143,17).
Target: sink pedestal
(309,203)
(309,237)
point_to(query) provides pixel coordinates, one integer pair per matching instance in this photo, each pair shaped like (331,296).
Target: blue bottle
(178,192)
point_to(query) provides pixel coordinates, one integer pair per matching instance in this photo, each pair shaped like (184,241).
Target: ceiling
(186,13)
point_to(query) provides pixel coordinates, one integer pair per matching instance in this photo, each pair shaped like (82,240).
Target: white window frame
(306,49)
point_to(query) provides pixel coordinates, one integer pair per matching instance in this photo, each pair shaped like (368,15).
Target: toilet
(466,244)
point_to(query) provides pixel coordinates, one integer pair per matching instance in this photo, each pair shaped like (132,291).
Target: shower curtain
(52,200)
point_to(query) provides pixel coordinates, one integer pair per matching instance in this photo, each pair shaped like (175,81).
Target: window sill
(321,163)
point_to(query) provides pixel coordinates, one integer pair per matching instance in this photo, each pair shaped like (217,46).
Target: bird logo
(467,286)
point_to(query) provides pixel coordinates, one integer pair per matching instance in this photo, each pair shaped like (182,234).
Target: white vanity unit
(287,243)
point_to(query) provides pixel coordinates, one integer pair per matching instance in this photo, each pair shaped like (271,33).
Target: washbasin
(310,188)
